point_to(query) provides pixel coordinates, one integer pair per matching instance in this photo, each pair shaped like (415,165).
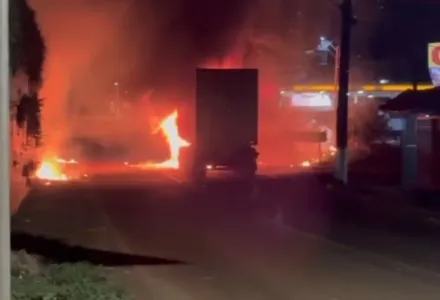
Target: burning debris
(54,169)
(168,126)
(63,161)
(306,164)
(175,142)
(57,169)
(327,156)
(51,170)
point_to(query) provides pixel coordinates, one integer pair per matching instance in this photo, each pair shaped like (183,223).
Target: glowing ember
(63,161)
(325,157)
(171,131)
(333,150)
(233,60)
(50,170)
(306,164)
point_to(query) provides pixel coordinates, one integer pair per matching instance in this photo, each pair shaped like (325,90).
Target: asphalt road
(236,241)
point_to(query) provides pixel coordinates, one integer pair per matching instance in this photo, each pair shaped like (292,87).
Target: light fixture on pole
(327,47)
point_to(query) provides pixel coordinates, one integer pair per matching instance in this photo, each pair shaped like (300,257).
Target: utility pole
(341,171)
(5,162)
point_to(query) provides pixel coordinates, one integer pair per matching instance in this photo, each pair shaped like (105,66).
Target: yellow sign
(368,88)
(433,55)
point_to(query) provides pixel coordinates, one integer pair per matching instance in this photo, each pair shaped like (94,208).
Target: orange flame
(51,171)
(63,161)
(333,150)
(306,164)
(175,142)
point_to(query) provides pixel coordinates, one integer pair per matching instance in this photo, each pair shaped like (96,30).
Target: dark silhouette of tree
(27,50)
(14,37)
(26,41)
(29,114)
(367,125)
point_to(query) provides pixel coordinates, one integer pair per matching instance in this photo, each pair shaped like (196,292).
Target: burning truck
(226,123)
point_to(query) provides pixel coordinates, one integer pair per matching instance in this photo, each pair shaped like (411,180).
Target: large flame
(170,129)
(50,170)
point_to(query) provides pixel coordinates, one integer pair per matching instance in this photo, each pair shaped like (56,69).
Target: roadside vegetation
(35,278)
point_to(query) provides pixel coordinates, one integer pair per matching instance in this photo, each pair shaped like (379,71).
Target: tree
(14,37)
(27,50)
(367,125)
(27,45)
(29,113)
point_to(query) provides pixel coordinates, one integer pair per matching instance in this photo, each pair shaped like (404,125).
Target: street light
(327,47)
(341,90)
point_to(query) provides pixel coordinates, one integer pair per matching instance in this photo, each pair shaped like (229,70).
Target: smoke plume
(76,34)
(145,52)
(143,45)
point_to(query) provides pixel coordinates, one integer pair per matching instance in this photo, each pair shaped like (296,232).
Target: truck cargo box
(226,109)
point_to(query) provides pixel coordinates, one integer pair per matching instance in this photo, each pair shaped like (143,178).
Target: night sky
(389,41)
(158,43)
(401,35)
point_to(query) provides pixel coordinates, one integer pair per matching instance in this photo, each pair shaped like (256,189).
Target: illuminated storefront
(434,63)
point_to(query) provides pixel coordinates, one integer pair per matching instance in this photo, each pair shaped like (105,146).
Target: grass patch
(33,278)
